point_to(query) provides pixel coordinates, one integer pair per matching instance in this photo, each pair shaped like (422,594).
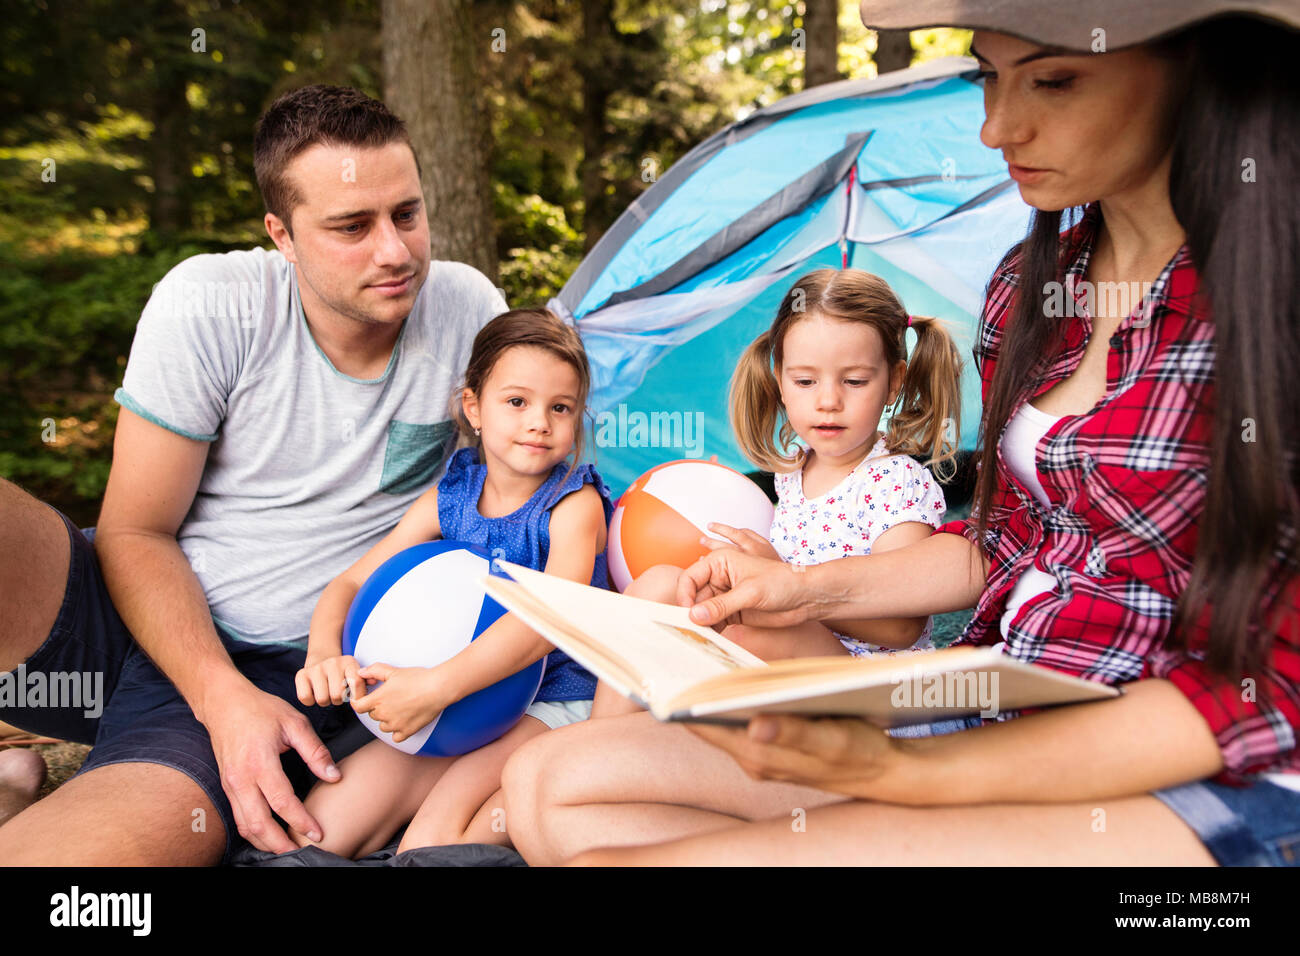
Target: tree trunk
(431,80)
(597,85)
(169,208)
(893,50)
(821,62)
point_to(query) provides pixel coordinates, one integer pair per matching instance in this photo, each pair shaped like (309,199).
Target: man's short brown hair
(332,115)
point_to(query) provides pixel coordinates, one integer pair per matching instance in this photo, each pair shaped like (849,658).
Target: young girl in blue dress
(514,494)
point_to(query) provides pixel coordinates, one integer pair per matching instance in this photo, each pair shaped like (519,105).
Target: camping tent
(886,175)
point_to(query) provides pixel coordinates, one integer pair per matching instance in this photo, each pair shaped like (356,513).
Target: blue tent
(886,175)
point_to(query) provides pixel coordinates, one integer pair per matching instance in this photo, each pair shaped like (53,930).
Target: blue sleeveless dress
(524,537)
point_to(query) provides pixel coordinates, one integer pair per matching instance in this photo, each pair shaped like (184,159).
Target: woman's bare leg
(631,780)
(1136,831)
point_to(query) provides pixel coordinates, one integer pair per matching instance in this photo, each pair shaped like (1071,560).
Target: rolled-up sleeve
(1254,719)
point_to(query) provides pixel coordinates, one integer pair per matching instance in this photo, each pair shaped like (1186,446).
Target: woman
(1125,479)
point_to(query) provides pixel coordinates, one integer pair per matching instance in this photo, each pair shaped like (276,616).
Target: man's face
(360,235)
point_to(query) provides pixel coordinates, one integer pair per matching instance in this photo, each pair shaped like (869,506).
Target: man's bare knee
(127,814)
(34,558)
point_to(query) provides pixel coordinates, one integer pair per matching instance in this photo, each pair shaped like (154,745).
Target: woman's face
(1075,128)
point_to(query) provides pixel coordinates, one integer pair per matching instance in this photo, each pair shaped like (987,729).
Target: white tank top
(1019,442)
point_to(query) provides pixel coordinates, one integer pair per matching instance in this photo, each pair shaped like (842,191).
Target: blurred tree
(821,57)
(893,50)
(432,80)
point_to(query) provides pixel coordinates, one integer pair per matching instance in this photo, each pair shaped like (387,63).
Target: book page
(645,650)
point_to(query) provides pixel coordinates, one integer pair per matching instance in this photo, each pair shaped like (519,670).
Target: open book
(678,670)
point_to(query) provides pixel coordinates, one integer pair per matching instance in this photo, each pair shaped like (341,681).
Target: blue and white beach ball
(421,607)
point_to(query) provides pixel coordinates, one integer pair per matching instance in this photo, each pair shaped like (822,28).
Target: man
(279,412)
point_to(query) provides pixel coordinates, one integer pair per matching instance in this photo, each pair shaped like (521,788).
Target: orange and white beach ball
(660,519)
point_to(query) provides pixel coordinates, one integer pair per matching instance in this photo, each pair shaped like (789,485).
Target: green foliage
(541,248)
(113,97)
(66,323)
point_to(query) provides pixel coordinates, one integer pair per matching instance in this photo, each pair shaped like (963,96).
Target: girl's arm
(413,696)
(1149,738)
(418,525)
(896,632)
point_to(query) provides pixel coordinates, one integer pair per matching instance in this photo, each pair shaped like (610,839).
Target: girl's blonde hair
(927,412)
(535,328)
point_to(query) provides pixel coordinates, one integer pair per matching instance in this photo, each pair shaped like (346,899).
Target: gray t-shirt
(308,467)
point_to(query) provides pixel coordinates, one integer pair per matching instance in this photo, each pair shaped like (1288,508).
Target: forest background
(126,135)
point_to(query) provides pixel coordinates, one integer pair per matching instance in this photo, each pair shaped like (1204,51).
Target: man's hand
(723,583)
(750,542)
(408,700)
(249,731)
(842,755)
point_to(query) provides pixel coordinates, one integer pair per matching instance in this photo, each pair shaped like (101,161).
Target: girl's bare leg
(610,703)
(461,795)
(489,824)
(631,780)
(1137,831)
(812,639)
(379,790)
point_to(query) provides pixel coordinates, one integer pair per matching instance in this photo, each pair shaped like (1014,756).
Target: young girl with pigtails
(824,374)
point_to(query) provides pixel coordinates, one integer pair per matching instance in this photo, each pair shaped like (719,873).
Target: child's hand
(408,700)
(750,542)
(329,681)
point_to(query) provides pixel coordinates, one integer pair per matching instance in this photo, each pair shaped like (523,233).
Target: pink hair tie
(909,321)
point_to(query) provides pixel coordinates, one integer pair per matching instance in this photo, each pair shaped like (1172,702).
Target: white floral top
(882,491)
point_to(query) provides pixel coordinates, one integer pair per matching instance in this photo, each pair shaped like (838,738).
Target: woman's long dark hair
(1235,170)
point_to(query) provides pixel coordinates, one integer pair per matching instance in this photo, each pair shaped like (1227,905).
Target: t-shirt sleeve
(186,352)
(913,495)
(472,295)
(1254,719)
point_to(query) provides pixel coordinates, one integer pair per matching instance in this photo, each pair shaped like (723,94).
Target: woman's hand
(750,542)
(839,754)
(409,699)
(330,680)
(723,583)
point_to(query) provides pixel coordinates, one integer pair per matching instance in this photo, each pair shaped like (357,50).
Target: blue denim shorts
(938,728)
(138,716)
(1257,825)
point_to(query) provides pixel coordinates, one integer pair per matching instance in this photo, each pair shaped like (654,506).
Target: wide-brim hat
(1071,24)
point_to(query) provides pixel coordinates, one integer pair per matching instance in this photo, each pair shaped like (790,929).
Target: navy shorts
(136,715)
(1258,825)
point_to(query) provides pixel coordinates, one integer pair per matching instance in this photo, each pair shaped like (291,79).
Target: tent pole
(848,217)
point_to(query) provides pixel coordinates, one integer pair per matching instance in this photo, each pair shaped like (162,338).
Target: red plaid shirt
(1127,484)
